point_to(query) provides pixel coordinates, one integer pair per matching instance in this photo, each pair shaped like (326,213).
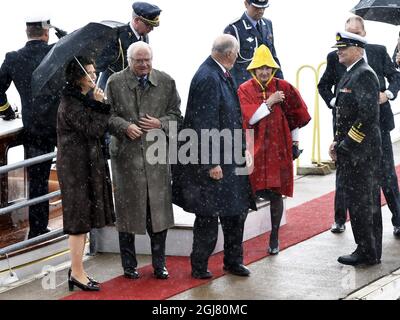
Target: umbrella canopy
(90,41)
(387,11)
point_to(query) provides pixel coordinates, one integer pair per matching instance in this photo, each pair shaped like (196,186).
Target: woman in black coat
(82,167)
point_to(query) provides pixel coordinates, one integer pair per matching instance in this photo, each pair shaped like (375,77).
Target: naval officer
(357,148)
(39,115)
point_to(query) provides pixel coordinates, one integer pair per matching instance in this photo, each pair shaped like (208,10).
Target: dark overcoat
(82,168)
(213,104)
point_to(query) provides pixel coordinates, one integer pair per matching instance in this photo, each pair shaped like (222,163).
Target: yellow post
(316,145)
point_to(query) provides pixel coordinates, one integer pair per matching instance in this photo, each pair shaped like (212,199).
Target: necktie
(259,29)
(142,82)
(228,77)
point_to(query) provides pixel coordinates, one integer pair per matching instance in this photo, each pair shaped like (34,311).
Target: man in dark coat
(212,188)
(357,149)
(145,17)
(251,30)
(39,115)
(378,59)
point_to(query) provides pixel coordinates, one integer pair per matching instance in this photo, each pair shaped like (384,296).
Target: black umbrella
(90,41)
(387,11)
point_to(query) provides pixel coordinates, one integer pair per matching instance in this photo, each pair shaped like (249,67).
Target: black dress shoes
(131,273)
(338,228)
(238,270)
(161,273)
(201,274)
(274,250)
(72,282)
(89,278)
(356,259)
(396,232)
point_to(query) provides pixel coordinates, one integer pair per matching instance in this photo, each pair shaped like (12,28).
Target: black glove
(60,33)
(8,114)
(296,152)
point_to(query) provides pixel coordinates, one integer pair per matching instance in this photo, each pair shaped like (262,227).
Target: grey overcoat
(135,179)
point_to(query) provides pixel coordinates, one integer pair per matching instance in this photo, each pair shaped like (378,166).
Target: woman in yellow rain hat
(275,110)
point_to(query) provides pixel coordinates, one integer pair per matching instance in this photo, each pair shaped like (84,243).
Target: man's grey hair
(224,44)
(134,47)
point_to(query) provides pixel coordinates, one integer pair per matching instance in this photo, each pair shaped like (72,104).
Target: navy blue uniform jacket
(39,115)
(358,133)
(114,57)
(249,40)
(379,61)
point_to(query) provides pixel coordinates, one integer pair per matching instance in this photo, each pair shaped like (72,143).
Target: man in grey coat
(145,102)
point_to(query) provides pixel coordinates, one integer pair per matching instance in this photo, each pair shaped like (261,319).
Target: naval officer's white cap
(39,21)
(347,39)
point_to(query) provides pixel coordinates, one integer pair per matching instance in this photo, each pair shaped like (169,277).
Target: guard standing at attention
(252,30)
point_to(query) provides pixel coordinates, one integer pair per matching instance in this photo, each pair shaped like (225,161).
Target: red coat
(273,159)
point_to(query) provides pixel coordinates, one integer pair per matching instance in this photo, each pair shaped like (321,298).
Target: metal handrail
(45,237)
(31,242)
(29,203)
(27,163)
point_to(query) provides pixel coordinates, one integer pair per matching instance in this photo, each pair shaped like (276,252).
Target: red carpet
(303,222)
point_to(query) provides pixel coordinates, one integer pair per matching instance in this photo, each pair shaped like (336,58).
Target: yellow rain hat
(263,57)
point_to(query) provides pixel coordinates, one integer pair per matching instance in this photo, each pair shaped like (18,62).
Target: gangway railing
(27,203)
(318,168)
(55,234)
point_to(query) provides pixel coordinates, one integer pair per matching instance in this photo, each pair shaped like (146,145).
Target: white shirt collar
(220,65)
(253,22)
(351,67)
(134,31)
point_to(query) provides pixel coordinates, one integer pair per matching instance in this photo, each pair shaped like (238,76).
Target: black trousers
(128,252)
(388,181)
(205,236)
(38,181)
(362,196)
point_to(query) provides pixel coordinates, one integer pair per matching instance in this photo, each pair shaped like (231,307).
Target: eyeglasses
(141,61)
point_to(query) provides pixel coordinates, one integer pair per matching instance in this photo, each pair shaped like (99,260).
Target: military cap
(148,13)
(347,39)
(42,22)
(258,3)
